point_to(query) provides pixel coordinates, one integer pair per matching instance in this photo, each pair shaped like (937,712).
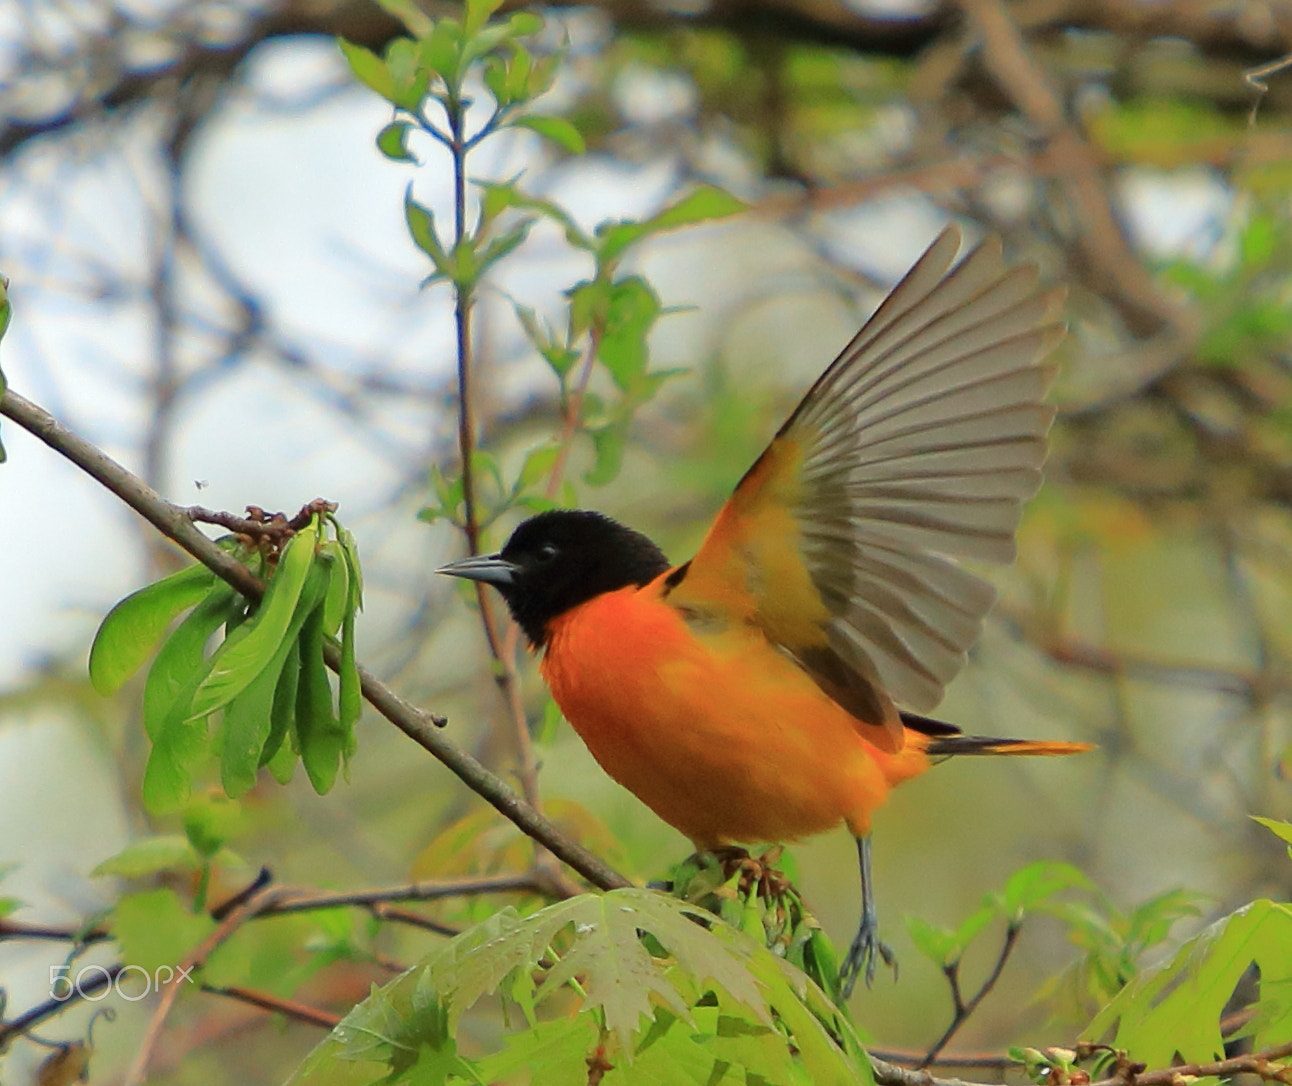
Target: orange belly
(718,732)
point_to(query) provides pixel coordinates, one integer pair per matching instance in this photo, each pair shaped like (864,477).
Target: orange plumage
(771,687)
(720,734)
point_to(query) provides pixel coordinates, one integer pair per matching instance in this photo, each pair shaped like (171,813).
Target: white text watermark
(130,982)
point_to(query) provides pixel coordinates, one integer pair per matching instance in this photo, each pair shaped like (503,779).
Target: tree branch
(245,911)
(290,1008)
(964,1009)
(83,989)
(422,727)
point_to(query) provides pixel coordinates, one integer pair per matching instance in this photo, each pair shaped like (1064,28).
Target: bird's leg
(867,946)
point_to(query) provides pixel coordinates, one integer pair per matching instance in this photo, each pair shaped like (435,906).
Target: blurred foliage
(1149,610)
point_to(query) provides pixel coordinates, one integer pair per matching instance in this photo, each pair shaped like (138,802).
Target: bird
(776,685)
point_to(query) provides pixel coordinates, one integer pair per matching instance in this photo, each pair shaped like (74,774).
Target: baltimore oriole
(751,694)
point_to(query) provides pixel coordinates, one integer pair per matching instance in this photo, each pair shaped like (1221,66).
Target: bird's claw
(863,956)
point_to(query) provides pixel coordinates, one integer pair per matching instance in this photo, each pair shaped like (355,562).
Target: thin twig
(889,1074)
(964,1009)
(910,1057)
(382,911)
(1255,78)
(290,1008)
(1264,1064)
(83,989)
(257,523)
(292,901)
(16,929)
(1254,1063)
(238,916)
(1100,239)
(573,412)
(507,677)
(422,727)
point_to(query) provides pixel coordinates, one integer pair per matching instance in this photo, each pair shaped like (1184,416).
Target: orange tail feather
(941,746)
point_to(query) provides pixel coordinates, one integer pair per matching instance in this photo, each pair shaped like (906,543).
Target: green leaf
(210,821)
(1177,1007)
(632,310)
(555,1053)
(556,353)
(369,69)
(703,204)
(392,141)
(557,129)
(421,227)
(495,78)
(441,50)
(237,663)
(181,664)
(501,246)
(608,442)
(684,999)
(1036,883)
(538,466)
(419,24)
(350,698)
(133,627)
(522,24)
(976,921)
(497,197)
(1282,830)
(319,733)
(149,855)
(178,741)
(337,600)
(155,929)
(410,78)
(589,304)
(283,714)
(477,14)
(1259,240)
(253,717)
(520,70)
(350,548)
(938,944)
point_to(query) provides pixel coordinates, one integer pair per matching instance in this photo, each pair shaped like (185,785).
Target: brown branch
(16,929)
(383,911)
(51,1007)
(962,1009)
(292,900)
(258,524)
(422,727)
(889,1074)
(1254,1063)
(912,1058)
(1099,239)
(290,1008)
(238,916)
(1263,1064)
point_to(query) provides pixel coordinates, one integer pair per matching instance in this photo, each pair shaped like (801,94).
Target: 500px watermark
(130,982)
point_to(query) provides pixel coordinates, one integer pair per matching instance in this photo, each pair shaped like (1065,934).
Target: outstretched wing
(916,447)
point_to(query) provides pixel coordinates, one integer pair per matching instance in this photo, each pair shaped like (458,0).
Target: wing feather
(917,446)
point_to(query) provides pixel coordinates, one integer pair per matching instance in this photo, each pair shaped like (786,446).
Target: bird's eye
(547,552)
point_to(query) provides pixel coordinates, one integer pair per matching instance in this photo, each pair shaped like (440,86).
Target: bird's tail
(946,739)
(944,746)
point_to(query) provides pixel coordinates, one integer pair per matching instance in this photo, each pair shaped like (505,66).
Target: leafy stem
(963,1008)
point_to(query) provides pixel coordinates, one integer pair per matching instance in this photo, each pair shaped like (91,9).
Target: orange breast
(718,732)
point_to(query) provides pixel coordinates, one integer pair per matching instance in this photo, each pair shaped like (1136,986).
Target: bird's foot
(863,957)
(753,871)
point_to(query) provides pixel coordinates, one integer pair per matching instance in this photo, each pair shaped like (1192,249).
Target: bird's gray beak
(490,568)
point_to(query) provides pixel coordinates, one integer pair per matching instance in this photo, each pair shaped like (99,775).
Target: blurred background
(212,281)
